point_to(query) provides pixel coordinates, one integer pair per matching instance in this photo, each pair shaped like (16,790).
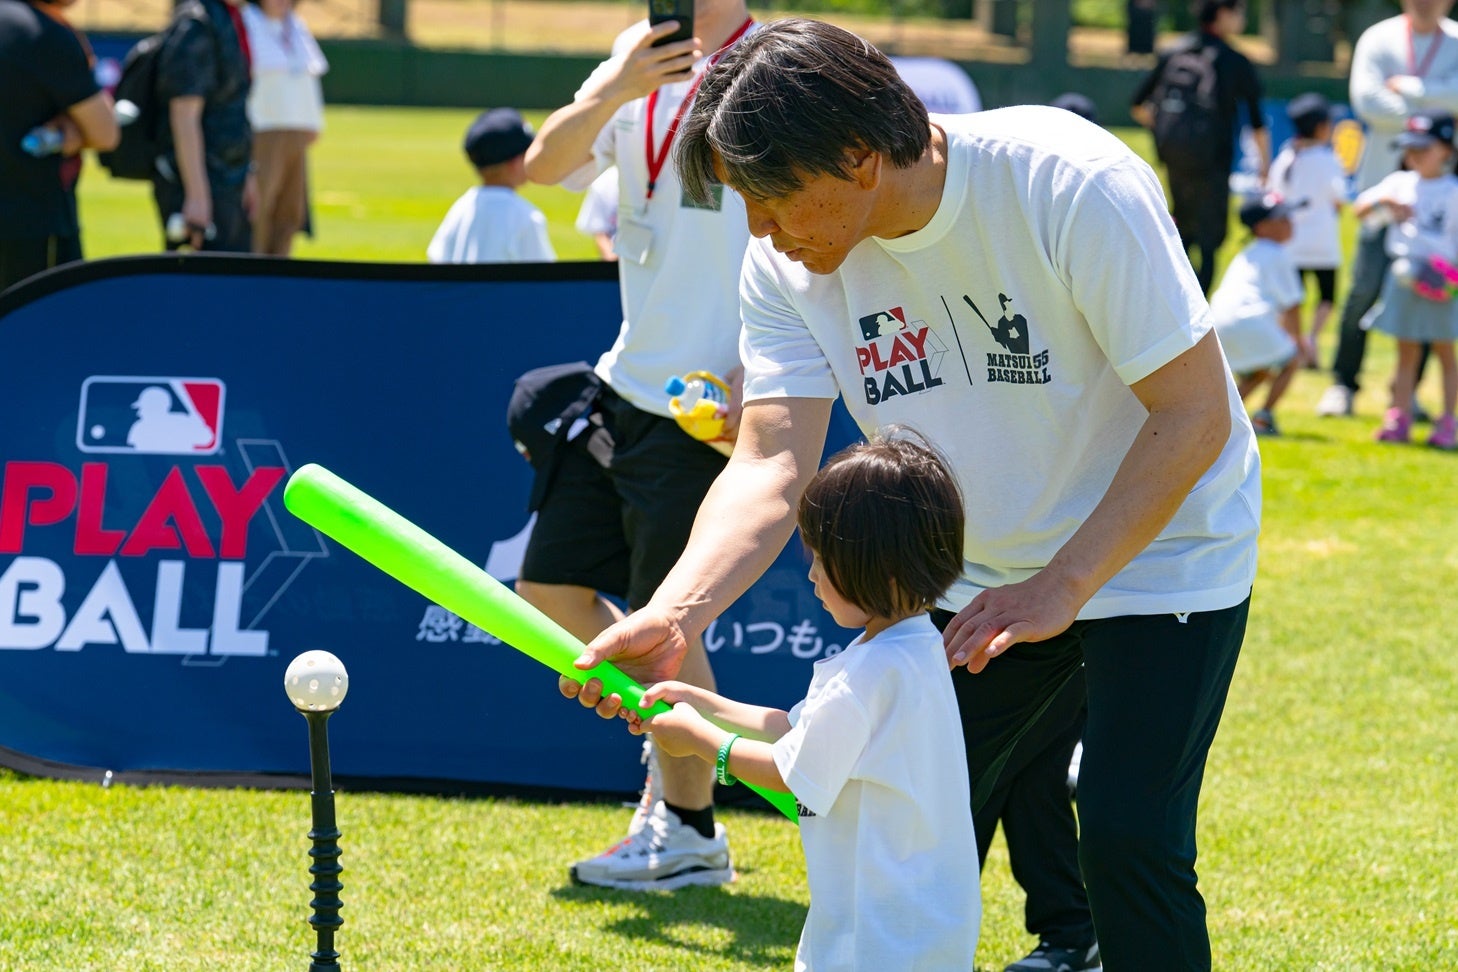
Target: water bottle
(177,229)
(699,402)
(1378,217)
(126,113)
(42,140)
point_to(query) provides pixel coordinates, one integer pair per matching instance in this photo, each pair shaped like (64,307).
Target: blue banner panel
(153,589)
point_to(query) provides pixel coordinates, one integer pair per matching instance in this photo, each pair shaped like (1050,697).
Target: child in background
(1309,176)
(873,754)
(491,223)
(1416,303)
(1256,307)
(598,217)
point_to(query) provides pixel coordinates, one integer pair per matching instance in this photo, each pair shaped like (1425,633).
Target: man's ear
(865,167)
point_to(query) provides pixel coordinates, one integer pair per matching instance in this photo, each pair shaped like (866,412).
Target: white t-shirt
(1433,228)
(875,756)
(1314,183)
(286,64)
(599,212)
(1385,50)
(681,305)
(1008,330)
(491,224)
(1259,284)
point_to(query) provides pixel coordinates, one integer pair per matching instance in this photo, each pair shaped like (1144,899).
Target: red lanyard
(657,159)
(1418,70)
(235,15)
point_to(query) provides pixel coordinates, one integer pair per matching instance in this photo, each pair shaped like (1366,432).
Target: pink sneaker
(1445,434)
(1396,426)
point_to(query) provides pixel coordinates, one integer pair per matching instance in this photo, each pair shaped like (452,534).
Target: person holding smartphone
(614,525)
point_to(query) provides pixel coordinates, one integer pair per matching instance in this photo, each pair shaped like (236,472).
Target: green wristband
(721,762)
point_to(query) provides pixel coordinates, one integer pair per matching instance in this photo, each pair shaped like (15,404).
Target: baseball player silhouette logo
(159,416)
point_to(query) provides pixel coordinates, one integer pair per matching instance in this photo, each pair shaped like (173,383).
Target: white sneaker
(663,855)
(1335,402)
(652,787)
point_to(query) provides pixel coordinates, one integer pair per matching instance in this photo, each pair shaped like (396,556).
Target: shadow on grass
(1311,438)
(763,931)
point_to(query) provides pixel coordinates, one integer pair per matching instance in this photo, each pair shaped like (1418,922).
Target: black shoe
(1050,958)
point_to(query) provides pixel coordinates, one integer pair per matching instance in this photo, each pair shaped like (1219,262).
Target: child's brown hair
(886,519)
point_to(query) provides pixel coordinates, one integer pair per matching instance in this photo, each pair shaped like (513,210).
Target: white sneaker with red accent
(652,787)
(663,855)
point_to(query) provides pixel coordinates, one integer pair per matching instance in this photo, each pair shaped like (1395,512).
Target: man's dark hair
(1210,9)
(886,519)
(789,102)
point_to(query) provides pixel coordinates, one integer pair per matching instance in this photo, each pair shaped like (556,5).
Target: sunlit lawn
(1328,830)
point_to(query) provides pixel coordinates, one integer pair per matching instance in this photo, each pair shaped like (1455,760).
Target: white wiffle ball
(316,682)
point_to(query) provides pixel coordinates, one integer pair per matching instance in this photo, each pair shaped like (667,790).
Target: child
(873,754)
(598,217)
(1416,302)
(1308,173)
(491,223)
(1256,307)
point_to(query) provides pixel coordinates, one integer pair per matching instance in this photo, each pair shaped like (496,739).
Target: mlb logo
(155,416)
(885,322)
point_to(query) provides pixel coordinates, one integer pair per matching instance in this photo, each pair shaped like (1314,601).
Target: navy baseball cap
(1424,128)
(1258,209)
(497,135)
(1080,105)
(1307,111)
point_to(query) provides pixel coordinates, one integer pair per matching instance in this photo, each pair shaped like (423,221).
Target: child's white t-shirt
(599,212)
(491,224)
(1313,182)
(876,761)
(1260,283)
(1007,330)
(1433,229)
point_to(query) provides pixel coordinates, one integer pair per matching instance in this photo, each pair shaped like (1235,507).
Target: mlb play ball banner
(153,589)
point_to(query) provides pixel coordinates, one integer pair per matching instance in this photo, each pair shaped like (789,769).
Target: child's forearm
(750,760)
(750,721)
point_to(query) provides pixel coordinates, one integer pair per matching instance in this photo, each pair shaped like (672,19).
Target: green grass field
(382,181)
(1328,831)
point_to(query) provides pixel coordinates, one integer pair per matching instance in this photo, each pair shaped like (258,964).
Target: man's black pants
(1200,205)
(1156,686)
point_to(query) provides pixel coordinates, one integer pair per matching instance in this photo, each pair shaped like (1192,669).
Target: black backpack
(135,156)
(1187,126)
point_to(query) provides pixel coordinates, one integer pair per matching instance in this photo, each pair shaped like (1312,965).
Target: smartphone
(679,10)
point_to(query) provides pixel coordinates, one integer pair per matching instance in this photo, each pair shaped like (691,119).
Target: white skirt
(1255,343)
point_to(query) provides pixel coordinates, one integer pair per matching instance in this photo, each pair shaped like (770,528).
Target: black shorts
(1325,282)
(620,529)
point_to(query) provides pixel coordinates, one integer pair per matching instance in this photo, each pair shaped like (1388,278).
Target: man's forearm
(1175,446)
(185,114)
(741,527)
(749,512)
(564,143)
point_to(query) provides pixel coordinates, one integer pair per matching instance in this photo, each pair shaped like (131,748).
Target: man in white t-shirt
(615,524)
(1111,476)
(1400,66)
(490,223)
